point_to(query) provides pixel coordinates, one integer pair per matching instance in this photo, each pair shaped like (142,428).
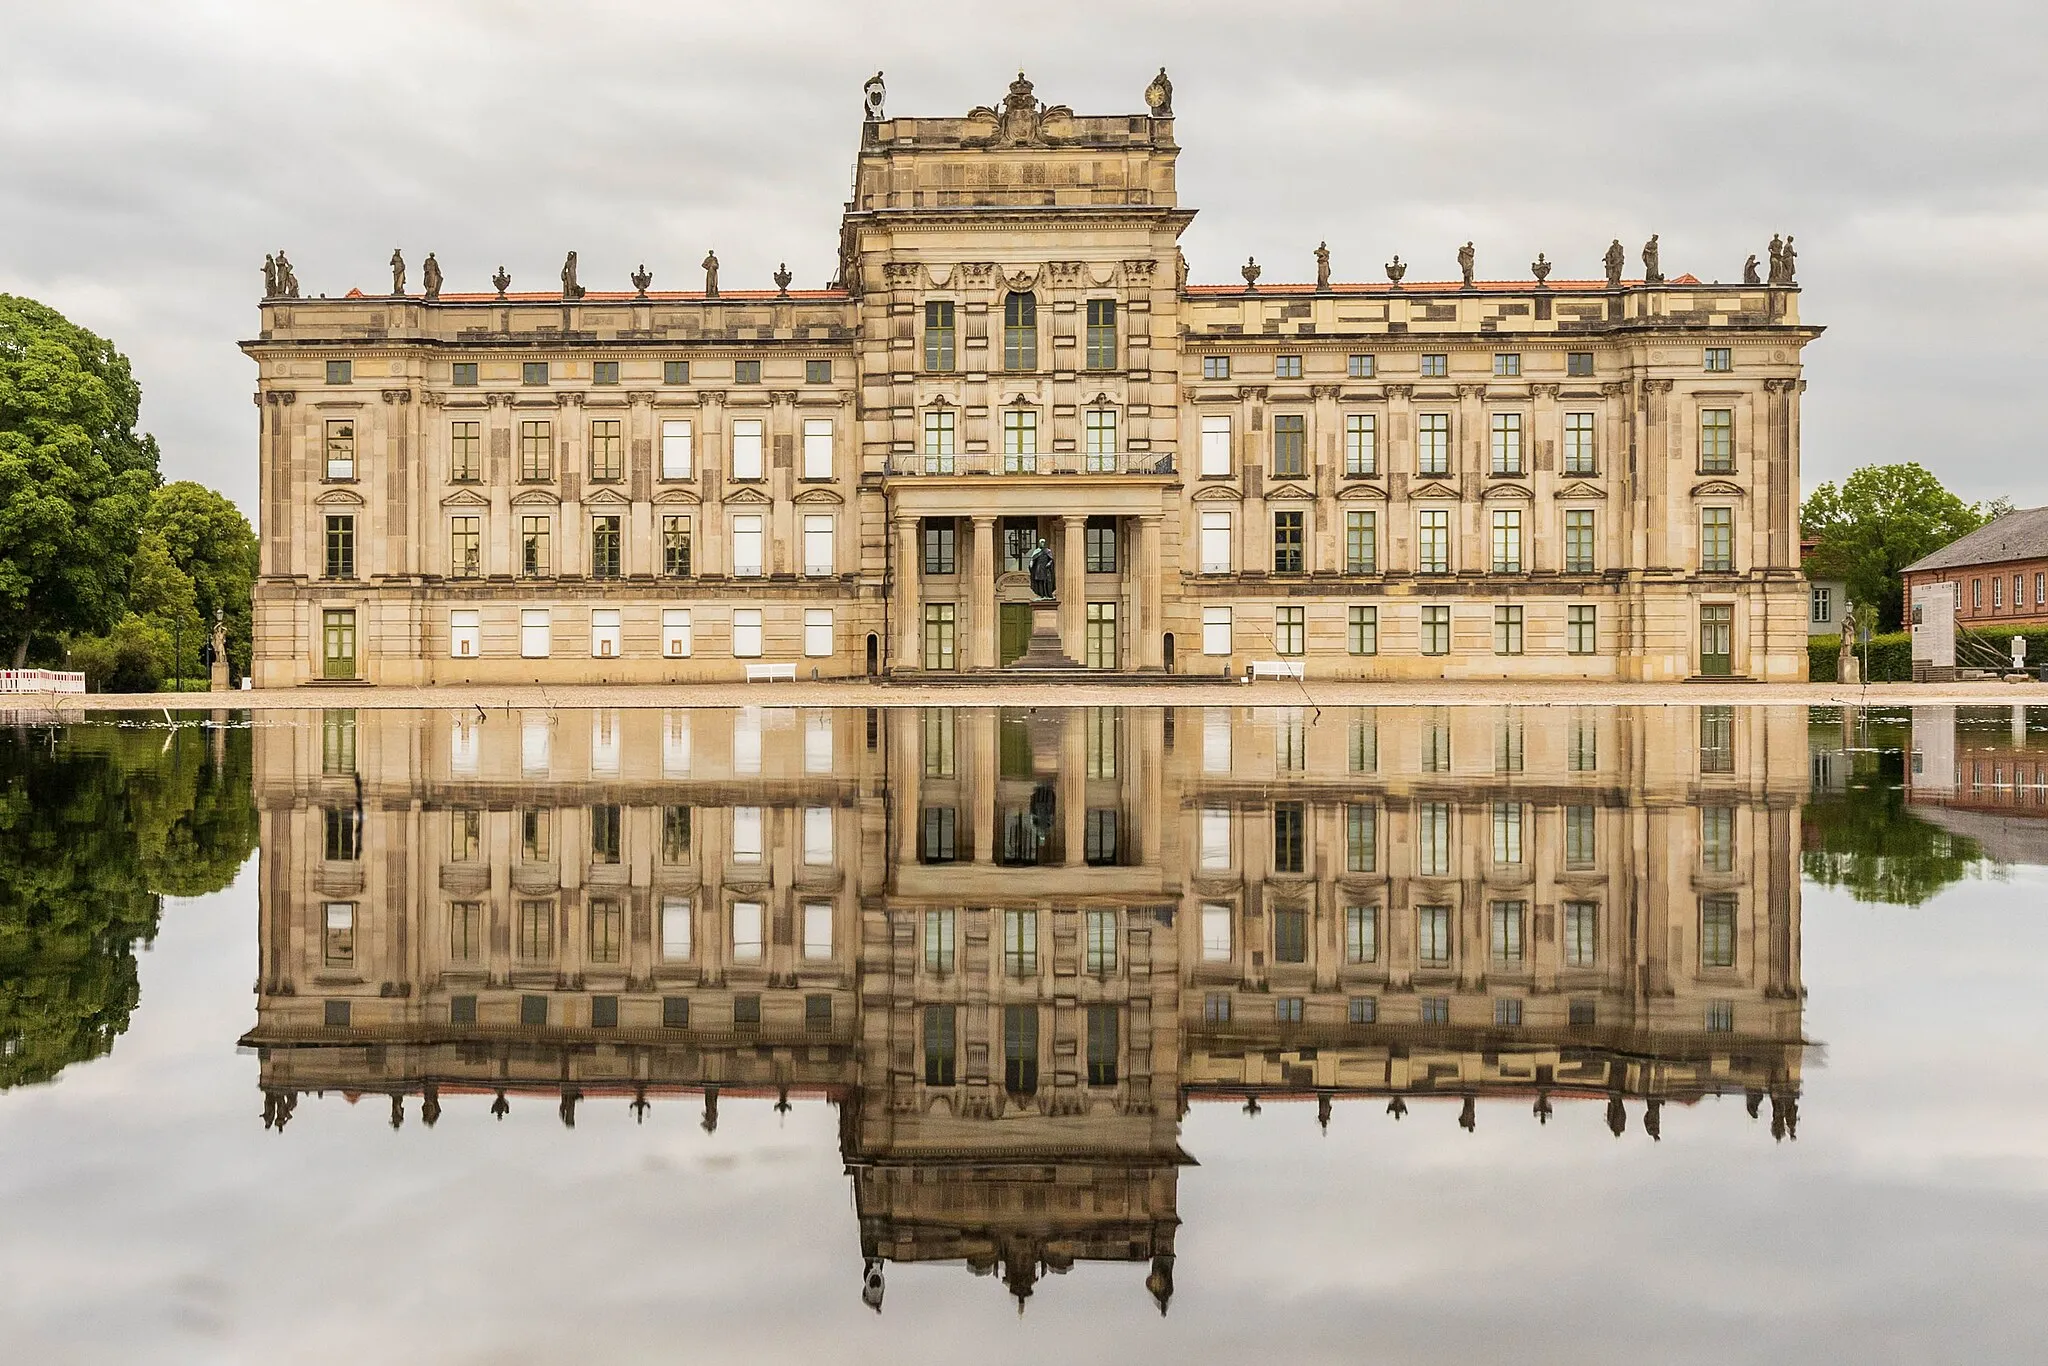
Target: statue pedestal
(1849,669)
(1045,650)
(218,680)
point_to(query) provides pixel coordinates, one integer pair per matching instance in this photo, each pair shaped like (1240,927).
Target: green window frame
(1103,1045)
(1582,629)
(1361,444)
(940,547)
(1717,441)
(1361,542)
(939,336)
(1290,627)
(1100,643)
(675,547)
(938,441)
(1288,548)
(1020,331)
(941,1037)
(605,538)
(1578,541)
(938,636)
(1363,630)
(1290,445)
(1101,340)
(1432,443)
(607,451)
(341,546)
(1435,632)
(1717,540)
(1581,449)
(465,452)
(536,450)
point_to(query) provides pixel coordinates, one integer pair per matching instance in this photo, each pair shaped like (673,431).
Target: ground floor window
(1215,630)
(1100,644)
(1507,630)
(1581,630)
(938,635)
(1436,630)
(1365,630)
(1289,629)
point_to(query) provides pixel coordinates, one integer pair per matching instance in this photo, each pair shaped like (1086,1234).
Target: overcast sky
(151,153)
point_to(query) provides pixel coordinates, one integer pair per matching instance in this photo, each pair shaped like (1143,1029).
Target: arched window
(1020,331)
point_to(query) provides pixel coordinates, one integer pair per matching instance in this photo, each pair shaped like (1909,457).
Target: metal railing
(1060,463)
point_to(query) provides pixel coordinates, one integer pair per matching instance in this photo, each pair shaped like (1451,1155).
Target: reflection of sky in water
(149,1216)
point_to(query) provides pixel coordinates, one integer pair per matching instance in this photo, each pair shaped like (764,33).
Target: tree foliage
(1864,840)
(1883,518)
(75,476)
(206,541)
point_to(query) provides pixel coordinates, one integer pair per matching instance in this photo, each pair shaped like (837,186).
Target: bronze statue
(1043,585)
(1788,262)
(1250,271)
(1322,267)
(502,279)
(430,276)
(1159,96)
(1651,274)
(397,274)
(872,94)
(1540,268)
(1749,275)
(1396,268)
(641,279)
(270,277)
(710,264)
(1615,259)
(570,289)
(1465,258)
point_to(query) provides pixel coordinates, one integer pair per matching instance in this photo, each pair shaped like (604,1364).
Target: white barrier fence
(40,680)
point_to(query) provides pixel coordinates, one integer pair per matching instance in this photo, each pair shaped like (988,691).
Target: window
(536,929)
(1287,1010)
(1360,367)
(1020,441)
(1435,365)
(1099,441)
(1717,540)
(465,451)
(1287,367)
(1213,836)
(536,828)
(1581,836)
(1583,747)
(1290,824)
(940,1046)
(817,446)
(465,931)
(1578,444)
(1215,548)
(1720,1017)
(604,547)
(1578,541)
(1717,739)
(1717,839)
(1361,934)
(746,448)
(746,928)
(606,928)
(1215,935)
(675,546)
(747,535)
(1365,746)
(1216,1007)
(817,372)
(817,632)
(1290,936)
(1287,542)
(1361,444)
(342,835)
(1433,936)
(1507,833)
(1581,934)
(938,336)
(341,372)
(1436,630)
(938,635)
(939,556)
(938,941)
(938,441)
(339,934)
(1507,630)
(1997,594)
(341,449)
(676,454)
(1101,334)
(1507,1012)
(1102,1045)
(1581,629)
(940,834)
(1433,541)
(675,372)
(1290,444)
(746,1011)
(1507,365)
(1507,540)
(1100,642)
(1099,542)
(1020,332)
(1363,1010)
(1506,939)
(818,557)
(534,633)
(1578,364)
(1507,745)
(1101,948)
(1433,839)
(1507,443)
(604,642)
(2040,589)
(1289,628)
(1361,838)
(1432,443)
(341,547)
(1436,749)
(1717,440)
(1361,543)
(746,633)
(1215,740)
(818,921)
(746,372)
(1363,630)
(533,372)
(465,630)
(675,834)
(1215,367)
(1976,595)
(1020,1048)
(1020,943)
(1717,931)
(536,451)
(604,372)
(1719,359)
(1215,448)
(1215,630)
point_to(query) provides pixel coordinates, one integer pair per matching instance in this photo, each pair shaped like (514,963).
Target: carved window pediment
(465,498)
(1718,488)
(536,498)
(604,497)
(1581,489)
(748,496)
(815,496)
(1218,493)
(677,495)
(1287,492)
(1514,493)
(1362,492)
(1433,489)
(340,498)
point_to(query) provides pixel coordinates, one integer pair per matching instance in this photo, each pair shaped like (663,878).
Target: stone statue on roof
(397,274)
(270,277)
(1777,276)
(1322,267)
(1159,96)
(1652,275)
(710,264)
(1614,260)
(570,289)
(1788,262)
(1749,275)
(430,276)
(287,278)
(641,278)
(1465,259)
(872,94)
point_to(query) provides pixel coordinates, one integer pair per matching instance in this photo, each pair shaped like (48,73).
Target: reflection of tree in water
(1863,838)
(97,824)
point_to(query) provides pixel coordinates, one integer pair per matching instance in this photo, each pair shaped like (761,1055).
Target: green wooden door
(1717,639)
(338,645)
(1015,636)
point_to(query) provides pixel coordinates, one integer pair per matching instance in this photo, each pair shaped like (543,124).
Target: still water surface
(1597,1034)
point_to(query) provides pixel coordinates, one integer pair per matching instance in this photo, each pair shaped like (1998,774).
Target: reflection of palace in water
(1979,773)
(1012,946)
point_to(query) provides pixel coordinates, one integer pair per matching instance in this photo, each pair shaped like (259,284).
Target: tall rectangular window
(1507,832)
(1361,543)
(675,547)
(604,644)
(1717,839)
(1364,746)
(341,547)
(1717,440)
(938,941)
(1361,444)
(607,454)
(938,635)
(1290,445)
(604,929)
(1362,627)
(1717,540)
(1289,631)
(1101,351)
(939,843)
(1098,539)
(747,939)
(1020,943)
(1100,645)
(938,441)
(817,448)
(1581,934)
(1507,540)
(817,632)
(1102,1045)
(1717,739)
(1582,746)
(675,834)
(1581,629)
(1505,939)
(1432,443)
(1215,546)
(1020,1049)
(339,940)
(1433,839)
(1215,630)
(940,557)
(1578,541)
(536,929)
(746,448)
(1020,441)
(1215,933)
(1579,450)
(746,633)
(1433,541)
(1101,945)
(940,1046)
(1717,931)
(747,548)
(1020,332)
(536,451)
(1507,443)
(1433,936)
(1507,630)
(1098,447)
(818,556)
(678,454)
(604,547)
(938,336)
(1581,836)
(1361,934)
(1361,838)
(1290,829)
(1435,630)
(1287,542)
(465,451)
(465,931)
(341,448)
(1215,447)
(1290,936)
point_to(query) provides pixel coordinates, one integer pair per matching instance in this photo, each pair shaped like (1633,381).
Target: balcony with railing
(1055,463)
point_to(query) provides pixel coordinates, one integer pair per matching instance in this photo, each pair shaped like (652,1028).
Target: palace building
(1543,478)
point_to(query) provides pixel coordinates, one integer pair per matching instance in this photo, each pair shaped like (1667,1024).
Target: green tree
(75,476)
(1863,839)
(1883,518)
(208,541)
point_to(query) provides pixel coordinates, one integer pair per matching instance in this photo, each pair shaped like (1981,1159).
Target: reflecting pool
(1590,1034)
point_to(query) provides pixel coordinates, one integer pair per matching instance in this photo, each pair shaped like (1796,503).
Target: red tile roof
(623,296)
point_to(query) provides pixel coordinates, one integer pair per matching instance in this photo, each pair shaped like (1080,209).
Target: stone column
(1150,646)
(1073,585)
(984,618)
(981,758)
(1072,785)
(909,598)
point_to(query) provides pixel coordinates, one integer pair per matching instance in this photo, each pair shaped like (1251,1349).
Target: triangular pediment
(1284,492)
(1579,488)
(1717,488)
(1217,493)
(1362,492)
(1433,489)
(677,495)
(465,498)
(340,498)
(747,496)
(536,498)
(1516,493)
(816,496)
(604,497)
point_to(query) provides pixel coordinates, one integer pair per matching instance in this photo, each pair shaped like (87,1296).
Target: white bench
(1275,668)
(771,673)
